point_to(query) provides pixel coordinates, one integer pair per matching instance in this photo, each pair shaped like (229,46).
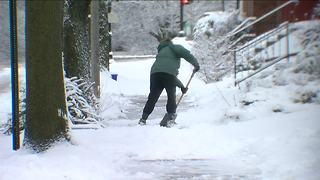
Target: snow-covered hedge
(308,60)
(138,18)
(81,102)
(6,128)
(211,44)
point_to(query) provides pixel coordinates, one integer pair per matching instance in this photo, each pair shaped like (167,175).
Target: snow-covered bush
(304,70)
(211,44)
(216,24)
(306,96)
(316,11)
(81,102)
(6,128)
(138,18)
(308,60)
(131,33)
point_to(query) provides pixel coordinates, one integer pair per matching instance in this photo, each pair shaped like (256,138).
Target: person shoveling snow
(164,73)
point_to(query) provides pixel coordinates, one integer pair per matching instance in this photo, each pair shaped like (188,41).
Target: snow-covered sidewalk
(273,135)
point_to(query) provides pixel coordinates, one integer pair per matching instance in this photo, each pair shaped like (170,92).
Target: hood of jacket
(164,44)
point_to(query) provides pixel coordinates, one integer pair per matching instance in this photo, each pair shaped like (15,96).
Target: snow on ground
(257,126)
(5,91)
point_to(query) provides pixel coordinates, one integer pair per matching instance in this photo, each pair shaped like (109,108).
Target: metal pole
(181,16)
(288,42)
(235,67)
(223,4)
(110,37)
(95,65)
(14,75)
(238,4)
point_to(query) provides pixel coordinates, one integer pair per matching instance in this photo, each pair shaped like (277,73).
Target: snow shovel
(169,120)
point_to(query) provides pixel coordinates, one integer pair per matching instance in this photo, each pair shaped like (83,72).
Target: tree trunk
(46,119)
(76,39)
(105,46)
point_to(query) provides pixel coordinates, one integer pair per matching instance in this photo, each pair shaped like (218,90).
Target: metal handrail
(264,16)
(260,39)
(242,24)
(264,36)
(244,36)
(265,67)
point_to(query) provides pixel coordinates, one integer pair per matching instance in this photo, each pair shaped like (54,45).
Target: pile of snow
(5,95)
(216,23)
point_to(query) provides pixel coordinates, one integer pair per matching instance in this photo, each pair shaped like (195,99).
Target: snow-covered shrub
(131,33)
(305,68)
(306,97)
(211,44)
(216,24)
(316,11)
(81,102)
(6,128)
(308,60)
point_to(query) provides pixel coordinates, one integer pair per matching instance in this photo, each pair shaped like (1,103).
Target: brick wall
(294,12)
(299,12)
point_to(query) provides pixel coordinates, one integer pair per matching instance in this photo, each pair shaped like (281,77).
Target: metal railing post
(235,67)
(288,43)
(14,74)
(278,32)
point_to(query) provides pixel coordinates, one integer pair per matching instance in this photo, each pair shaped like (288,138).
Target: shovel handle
(186,87)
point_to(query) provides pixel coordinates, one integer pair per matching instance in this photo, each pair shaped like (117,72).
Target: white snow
(274,136)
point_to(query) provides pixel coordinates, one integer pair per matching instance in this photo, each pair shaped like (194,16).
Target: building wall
(247,8)
(293,12)
(299,12)
(262,7)
(257,8)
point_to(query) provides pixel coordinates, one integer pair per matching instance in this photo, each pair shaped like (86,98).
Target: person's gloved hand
(184,90)
(196,68)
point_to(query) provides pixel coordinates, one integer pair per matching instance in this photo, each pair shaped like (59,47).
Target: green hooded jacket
(168,58)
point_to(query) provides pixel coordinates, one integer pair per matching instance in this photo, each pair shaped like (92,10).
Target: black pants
(158,82)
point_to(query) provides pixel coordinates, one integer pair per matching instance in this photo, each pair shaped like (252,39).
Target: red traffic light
(184,2)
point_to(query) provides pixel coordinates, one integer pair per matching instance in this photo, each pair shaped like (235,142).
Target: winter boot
(168,120)
(143,119)
(142,122)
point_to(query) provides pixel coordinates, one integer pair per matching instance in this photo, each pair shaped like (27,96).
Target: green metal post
(14,74)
